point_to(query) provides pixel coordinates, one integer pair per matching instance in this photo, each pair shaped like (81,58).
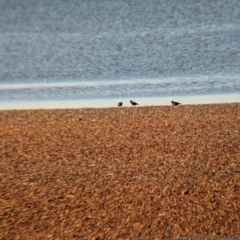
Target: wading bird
(175,103)
(133,103)
(120,104)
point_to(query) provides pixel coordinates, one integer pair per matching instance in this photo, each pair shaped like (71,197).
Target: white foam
(109,82)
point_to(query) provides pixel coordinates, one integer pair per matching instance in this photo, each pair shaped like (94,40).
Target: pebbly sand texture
(121,173)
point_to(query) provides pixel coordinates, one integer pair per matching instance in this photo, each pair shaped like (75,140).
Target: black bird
(175,103)
(133,103)
(120,104)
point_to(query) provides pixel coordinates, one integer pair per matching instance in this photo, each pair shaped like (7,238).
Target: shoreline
(159,172)
(106,103)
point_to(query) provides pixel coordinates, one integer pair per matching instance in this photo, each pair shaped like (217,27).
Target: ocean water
(67,52)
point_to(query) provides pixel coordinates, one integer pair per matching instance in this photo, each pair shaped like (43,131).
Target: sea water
(95,53)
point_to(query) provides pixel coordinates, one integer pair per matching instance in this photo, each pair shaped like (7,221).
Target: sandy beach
(160,172)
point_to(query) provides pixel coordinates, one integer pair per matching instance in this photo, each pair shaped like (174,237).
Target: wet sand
(160,172)
(108,103)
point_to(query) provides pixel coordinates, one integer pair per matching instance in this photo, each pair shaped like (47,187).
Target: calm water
(77,51)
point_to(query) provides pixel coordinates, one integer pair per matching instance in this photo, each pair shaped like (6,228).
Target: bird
(175,103)
(120,104)
(133,103)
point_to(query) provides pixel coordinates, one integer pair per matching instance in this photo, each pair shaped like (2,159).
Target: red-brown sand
(121,173)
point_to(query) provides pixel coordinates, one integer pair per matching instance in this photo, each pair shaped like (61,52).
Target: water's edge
(106,103)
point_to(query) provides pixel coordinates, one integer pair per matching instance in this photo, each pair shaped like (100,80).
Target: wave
(153,81)
(121,88)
